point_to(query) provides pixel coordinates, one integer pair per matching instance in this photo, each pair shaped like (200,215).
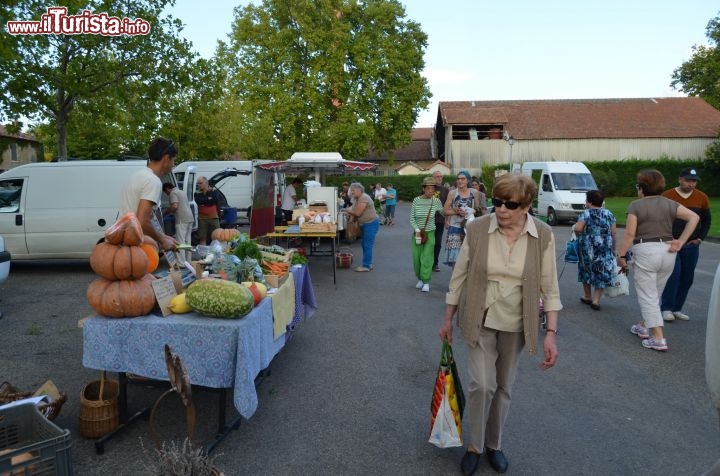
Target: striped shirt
(419,213)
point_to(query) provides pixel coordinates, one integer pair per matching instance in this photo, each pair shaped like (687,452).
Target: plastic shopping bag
(571,249)
(620,288)
(448,403)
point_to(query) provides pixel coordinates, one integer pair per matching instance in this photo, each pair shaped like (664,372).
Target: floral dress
(595,248)
(455,230)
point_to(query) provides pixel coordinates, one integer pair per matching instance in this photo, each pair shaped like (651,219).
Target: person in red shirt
(681,279)
(208,202)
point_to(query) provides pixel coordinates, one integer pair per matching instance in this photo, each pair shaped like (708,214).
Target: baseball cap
(689,174)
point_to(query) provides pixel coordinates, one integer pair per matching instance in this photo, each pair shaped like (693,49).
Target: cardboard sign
(164,289)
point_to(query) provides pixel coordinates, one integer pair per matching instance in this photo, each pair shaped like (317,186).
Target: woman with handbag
(505,265)
(363,209)
(422,221)
(596,251)
(458,202)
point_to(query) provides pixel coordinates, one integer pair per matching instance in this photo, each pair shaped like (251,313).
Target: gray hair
(358,186)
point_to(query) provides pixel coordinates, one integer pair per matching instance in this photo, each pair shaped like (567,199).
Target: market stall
(225,317)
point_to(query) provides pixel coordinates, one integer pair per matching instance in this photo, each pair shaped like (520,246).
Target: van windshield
(574,182)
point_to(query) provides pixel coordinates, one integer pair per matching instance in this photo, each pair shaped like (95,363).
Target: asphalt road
(350,394)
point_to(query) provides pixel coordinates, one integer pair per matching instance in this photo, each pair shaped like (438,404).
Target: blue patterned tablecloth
(217,353)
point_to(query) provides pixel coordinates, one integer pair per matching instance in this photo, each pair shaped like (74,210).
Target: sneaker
(668,316)
(681,316)
(362,269)
(639,331)
(655,344)
(419,285)
(425,288)
(436,269)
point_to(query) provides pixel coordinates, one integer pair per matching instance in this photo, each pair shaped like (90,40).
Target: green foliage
(334,75)
(117,86)
(700,75)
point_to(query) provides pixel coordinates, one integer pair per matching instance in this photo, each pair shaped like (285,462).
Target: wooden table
(281,232)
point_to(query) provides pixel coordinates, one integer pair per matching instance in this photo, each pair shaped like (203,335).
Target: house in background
(18,149)
(470,134)
(419,152)
(411,168)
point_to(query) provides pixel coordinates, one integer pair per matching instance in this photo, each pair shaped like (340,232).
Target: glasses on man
(509,204)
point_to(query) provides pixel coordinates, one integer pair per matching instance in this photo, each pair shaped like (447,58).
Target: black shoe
(469,463)
(497,460)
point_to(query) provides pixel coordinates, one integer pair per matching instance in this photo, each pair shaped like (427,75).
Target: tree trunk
(63,109)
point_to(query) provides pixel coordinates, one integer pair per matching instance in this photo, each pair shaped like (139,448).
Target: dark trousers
(678,286)
(439,229)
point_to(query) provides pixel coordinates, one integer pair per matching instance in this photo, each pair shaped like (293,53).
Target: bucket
(229,215)
(99,412)
(343,258)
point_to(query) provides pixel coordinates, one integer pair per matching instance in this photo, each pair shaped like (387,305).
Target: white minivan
(561,188)
(52,210)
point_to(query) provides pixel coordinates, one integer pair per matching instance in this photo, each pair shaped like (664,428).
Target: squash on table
(153,256)
(115,262)
(224,234)
(219,298)
(122,298)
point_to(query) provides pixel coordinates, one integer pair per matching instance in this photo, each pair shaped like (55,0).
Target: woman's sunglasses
(509,204)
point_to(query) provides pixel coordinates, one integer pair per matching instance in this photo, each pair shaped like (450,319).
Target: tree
(326,75)
(47,77)
(700,75)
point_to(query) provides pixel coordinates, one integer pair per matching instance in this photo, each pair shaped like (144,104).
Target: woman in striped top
(422,218)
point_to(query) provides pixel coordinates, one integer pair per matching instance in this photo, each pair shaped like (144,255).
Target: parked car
(4,263)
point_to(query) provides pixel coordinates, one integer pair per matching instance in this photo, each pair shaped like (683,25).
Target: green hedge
(615,178)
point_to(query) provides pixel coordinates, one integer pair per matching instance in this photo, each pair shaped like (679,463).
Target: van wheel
(551,217)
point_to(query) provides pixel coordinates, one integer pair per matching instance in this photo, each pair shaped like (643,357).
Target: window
(13,152)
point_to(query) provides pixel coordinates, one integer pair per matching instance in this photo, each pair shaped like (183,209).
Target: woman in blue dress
(596,248)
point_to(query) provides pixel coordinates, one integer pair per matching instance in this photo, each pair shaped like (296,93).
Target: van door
(545,193)
(13,193)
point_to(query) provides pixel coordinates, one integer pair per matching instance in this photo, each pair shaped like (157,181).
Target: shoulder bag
(423,233)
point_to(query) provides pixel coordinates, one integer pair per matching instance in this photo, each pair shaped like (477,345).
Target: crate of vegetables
(276,253)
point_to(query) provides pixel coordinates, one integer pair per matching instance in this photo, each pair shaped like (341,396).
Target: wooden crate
(275,257)
(318,228)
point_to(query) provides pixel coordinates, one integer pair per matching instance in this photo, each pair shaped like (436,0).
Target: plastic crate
(32,445)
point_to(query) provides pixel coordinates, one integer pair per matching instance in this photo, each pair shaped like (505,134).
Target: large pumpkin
(224,234)
(122,298)
(116,262)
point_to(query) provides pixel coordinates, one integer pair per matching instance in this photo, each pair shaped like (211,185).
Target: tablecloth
(217,353)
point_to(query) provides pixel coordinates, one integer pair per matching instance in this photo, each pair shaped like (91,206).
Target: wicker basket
(99,412)
(344,258)
(50,409)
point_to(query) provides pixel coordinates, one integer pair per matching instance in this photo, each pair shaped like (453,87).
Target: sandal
(585,301)
(594,306)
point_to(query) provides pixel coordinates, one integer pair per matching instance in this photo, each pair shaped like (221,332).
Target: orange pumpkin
(115,262)
(224,234)
(153,256)
(126,230)
(121,298)
(147,240)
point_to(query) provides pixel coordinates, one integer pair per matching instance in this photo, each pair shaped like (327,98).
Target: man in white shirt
(290,198)
(141,194)
(180,208)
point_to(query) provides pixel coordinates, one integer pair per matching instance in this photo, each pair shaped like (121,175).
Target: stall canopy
(319,163)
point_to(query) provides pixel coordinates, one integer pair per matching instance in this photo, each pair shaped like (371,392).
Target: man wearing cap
(677,287)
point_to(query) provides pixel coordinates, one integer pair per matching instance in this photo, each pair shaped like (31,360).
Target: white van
(561,188)
(60,210)
(236,186)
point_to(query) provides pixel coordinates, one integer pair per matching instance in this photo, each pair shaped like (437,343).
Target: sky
(526,49)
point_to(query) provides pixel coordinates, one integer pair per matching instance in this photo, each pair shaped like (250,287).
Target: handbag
(571,249)
(352,229)
(620,288)
(448,403)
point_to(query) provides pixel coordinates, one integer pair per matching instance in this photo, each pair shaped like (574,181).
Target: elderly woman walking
(422,219)
(596,240)
(455,207)
(363,209)
(648,232)
(505,265)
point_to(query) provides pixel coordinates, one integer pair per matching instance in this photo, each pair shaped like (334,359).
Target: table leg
(334,264)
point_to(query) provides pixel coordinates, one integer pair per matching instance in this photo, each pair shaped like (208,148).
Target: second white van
(561,188)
